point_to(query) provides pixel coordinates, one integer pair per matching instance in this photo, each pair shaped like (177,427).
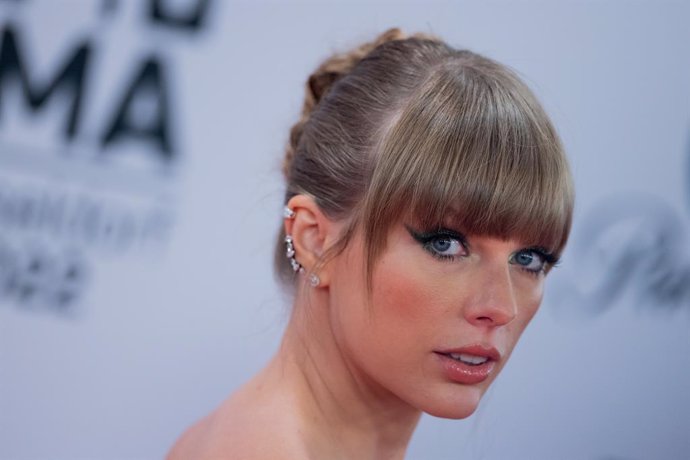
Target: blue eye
(445,246)
(531,260)
(442,244)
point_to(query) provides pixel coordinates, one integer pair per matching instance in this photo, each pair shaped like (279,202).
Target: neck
(342,412)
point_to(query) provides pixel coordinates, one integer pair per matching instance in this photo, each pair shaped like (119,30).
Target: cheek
(407,300)
(397,292)
(528,297)
(398,324)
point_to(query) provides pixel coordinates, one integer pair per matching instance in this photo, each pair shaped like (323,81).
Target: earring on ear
(289,246)
(288,213)
(314,280)
(290,254)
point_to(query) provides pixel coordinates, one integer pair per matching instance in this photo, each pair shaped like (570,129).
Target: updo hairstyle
(410,128)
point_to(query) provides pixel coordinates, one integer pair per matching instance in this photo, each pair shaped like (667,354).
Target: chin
(461,403)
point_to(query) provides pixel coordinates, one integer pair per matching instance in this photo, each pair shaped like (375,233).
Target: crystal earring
(289,246)
(290,254)
(288,213)
(314,280)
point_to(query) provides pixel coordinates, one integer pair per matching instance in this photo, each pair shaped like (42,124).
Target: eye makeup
(443,243)
(447,244)
(549,260)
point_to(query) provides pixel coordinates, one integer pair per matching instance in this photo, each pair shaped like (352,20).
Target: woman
(427,198)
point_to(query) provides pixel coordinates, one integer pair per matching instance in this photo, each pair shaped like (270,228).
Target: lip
(468,374)
(486,351)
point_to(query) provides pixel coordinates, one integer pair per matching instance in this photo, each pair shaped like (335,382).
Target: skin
(355,370)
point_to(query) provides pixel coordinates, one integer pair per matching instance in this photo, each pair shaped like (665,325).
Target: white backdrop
(140,197)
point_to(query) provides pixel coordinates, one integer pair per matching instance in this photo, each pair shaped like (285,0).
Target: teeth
(469,359)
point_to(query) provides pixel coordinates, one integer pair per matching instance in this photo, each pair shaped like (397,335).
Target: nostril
(495,317)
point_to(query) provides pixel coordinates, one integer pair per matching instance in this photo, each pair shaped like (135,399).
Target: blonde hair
(412,128)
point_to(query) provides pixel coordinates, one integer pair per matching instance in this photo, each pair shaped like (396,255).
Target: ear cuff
(314,280)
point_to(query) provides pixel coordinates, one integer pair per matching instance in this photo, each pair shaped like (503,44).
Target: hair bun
(322,80)
(339,65)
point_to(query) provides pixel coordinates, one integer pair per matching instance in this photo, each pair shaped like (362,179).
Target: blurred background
(140,195)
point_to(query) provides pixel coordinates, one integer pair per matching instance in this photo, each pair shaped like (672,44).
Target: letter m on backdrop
(69,78)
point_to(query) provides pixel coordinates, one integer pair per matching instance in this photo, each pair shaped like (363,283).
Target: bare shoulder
(191,442)
(237,430)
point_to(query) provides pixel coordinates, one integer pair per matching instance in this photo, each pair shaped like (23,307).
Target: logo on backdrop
(632,249)
(88,163)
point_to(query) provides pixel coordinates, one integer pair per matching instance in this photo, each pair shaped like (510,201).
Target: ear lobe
(311,232)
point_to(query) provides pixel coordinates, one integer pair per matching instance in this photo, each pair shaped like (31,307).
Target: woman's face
(444,314)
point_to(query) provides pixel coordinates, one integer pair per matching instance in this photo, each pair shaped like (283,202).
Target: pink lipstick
(468,365)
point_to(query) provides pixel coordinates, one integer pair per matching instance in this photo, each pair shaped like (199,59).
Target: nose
(492,302)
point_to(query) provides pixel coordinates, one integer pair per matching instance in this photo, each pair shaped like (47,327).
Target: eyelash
(426,238)
(549,259)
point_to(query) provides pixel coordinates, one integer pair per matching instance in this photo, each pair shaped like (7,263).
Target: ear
(312,234)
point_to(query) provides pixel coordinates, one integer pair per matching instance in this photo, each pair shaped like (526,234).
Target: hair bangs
(475,152)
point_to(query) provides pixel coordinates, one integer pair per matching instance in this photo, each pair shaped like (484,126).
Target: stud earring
(314,280)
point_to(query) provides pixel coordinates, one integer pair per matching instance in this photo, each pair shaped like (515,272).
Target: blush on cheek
(403,289)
